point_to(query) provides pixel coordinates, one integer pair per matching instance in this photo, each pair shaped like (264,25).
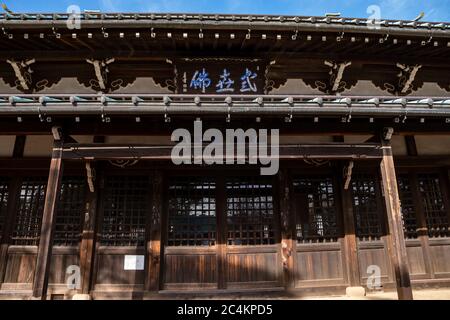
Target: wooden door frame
(221,248)
(326,172)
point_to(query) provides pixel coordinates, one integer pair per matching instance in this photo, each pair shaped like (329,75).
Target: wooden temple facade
(87,185)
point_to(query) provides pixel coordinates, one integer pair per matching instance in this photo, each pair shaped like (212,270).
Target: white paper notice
(133,263)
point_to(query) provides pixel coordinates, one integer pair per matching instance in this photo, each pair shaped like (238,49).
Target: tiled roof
(225,19)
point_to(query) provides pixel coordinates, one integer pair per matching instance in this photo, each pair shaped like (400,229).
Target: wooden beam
(41,164)
(340,139)
(288,242)
(70,139)
(87,247)
(396,241)
(154,241)
(44,255)
(350,240)
(372,139)
(127,126)
(145,55)
(422,161)
(99,139)
(163,153)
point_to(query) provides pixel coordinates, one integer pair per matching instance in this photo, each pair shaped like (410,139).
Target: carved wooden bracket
(333,83)
(444,85)
(101,73)
(23,72)
(123,163)
(348,171)
(271,83)
(407,77)
(90,174)
(405,83)
(316,162)
(336,74)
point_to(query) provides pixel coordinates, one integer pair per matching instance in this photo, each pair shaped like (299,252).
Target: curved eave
(229,22)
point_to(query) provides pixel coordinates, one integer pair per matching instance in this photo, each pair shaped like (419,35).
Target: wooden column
(153,243)
(448,194)
(350,241)
(287,230)
(48,222)
(3,259)
(87,247)
(397,246)
(13,193)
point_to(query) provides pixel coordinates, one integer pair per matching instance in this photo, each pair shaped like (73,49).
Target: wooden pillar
(287,230)
(48,222)
(13,193)
(3,259)
(153,243)
(448,193)
(87,247)
(350,241)
(397,246)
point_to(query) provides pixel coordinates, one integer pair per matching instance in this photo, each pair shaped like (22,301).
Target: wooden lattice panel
(126,206)
(250,211)
(4,195)
(192,212)
(433,205)
(70,214)
(316,220)
(408,208)
(366,207)
(30,206)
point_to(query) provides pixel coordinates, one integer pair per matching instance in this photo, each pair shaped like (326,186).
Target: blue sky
(435,10)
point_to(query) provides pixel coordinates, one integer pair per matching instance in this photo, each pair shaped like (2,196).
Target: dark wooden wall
(315,265)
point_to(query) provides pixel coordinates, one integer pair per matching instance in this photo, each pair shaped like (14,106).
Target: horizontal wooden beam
(163,153)
(123,55)
(422,161)
(24,166)
(156,126)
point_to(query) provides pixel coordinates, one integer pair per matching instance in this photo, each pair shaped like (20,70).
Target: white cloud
(108,5)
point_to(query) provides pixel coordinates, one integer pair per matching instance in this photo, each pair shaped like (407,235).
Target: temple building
(93,206)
